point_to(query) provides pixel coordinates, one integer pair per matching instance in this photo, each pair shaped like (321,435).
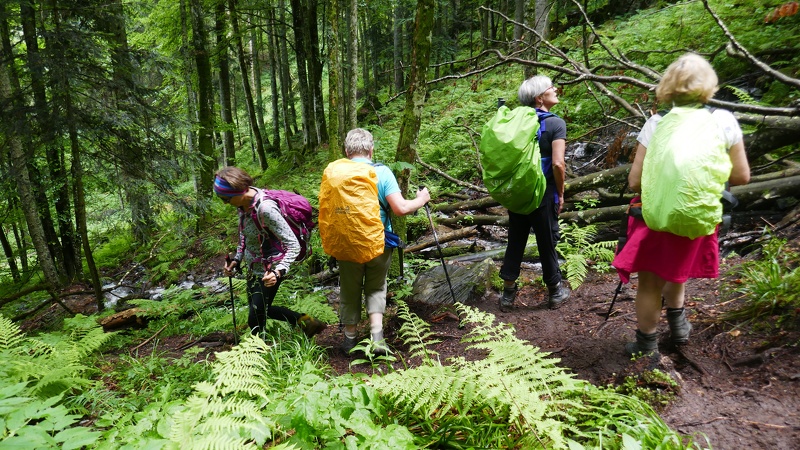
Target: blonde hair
(689,79)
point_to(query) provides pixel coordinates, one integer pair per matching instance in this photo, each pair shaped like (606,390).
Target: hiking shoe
(679,326)
(645,344)
(310,325)
(379,347)
(348,343)
(507,300)
(558,295)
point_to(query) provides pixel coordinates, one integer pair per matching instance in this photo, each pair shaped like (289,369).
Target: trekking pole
(622,240)
(233,304)
(441,256)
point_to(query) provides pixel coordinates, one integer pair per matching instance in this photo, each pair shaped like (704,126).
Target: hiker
(265,272)
(665,260)
(369,277)
(540,93)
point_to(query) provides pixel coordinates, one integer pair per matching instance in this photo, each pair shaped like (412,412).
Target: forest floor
(740,387)
(737,385)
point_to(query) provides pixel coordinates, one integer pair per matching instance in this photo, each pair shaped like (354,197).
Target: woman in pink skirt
(663,260)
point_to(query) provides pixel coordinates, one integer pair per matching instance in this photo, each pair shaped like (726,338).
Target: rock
(469,282)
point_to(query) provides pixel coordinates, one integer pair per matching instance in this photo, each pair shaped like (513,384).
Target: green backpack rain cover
(512,170)
(683,174)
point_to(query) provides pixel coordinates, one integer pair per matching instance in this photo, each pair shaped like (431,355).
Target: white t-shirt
(728,125)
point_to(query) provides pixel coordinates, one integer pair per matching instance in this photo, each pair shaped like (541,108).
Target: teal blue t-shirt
(387,185)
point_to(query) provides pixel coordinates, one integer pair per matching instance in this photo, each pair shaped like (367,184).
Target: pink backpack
(298,214)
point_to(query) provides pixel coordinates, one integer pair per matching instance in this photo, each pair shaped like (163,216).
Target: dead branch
(736,49)
(450,178)
(150,338)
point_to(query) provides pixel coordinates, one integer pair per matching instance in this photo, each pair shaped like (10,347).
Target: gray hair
(532,88)
(358,142)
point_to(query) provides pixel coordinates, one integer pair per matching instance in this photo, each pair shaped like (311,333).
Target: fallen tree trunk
(480,203)
(461,233)
(747,195)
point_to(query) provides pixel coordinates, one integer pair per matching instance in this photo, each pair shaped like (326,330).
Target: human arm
(401,206)
(635,175)
(559,168)
(740,173)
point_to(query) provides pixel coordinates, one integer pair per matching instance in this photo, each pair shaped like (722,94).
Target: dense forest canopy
(116,114)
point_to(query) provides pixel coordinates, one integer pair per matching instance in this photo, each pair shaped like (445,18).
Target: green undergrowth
(278,391)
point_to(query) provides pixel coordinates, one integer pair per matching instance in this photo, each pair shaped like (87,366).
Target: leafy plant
(578,250)
(654,387)
(768,287)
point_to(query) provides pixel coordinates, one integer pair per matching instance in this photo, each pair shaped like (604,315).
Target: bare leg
(648,301)
(674,294)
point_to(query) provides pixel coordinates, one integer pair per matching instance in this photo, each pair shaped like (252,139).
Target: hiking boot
(679,326)
(310,325)
(379,347)
(507,300)
(348,343)
(557,295)
(646,345)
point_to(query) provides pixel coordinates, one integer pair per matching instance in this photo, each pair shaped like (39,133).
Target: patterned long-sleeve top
(282,248)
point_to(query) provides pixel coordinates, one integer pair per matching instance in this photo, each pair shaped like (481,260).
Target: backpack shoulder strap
(385,208)
(542,115)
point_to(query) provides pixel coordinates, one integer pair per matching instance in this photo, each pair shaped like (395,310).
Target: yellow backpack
(349,212)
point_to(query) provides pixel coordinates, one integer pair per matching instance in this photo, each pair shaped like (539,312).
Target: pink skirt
(673,258)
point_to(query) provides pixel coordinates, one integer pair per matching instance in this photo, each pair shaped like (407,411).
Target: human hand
(230,266)
(424,195)
(270,278)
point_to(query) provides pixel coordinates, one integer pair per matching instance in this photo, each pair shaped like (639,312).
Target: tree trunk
(335,113)
(315,74)
(191,111)
(9,253)
(397,47)
(415,98)
(248,93)
(272,58)
(255,76)
(352,53)
(65,253)
(225,107)
(205,173)
(287,93)
(301,59)
(9,95)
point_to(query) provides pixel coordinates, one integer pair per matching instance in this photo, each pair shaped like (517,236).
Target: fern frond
(416,334)
(11,335)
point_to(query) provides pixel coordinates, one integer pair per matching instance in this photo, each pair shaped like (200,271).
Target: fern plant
(515,397)
(578,249)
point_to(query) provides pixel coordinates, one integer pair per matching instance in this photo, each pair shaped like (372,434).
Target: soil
(738,385)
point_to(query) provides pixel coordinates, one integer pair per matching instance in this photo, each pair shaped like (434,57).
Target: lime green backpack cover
(512,171)
(683,174)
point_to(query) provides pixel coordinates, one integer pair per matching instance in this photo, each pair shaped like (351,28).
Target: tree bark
(248,92)
(351,92)
(205,173)
(415,99)
(19,160)
(225,106)
(65,251)
(461,233)
(301,60)
(335,111)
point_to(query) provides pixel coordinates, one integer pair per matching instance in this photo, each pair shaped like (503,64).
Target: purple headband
(224,189)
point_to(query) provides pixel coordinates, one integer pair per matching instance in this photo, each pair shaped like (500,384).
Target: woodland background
(117,114)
